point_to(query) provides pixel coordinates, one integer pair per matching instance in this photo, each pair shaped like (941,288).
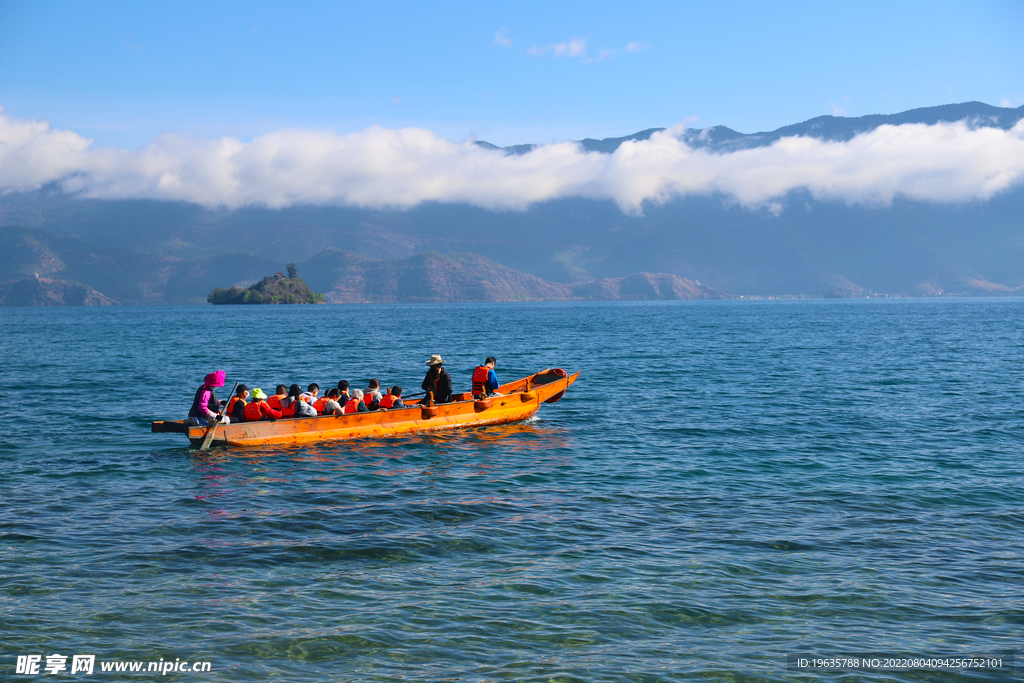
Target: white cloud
(397,101)
(1006,103)
(501,38)
(577,47)
(380,167)
(636,46)
(136,48)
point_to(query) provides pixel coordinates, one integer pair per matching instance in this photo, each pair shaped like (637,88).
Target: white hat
(435,360)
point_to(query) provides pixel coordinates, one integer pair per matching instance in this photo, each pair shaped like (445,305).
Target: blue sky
(121,73)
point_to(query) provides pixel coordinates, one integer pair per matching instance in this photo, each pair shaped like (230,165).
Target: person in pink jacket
(205,405)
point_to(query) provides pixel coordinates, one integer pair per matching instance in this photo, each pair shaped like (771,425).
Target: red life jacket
(480,380)
(352,406)
(320,404)
(252,412)
(388,401)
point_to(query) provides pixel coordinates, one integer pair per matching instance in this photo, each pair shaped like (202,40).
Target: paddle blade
(209,434)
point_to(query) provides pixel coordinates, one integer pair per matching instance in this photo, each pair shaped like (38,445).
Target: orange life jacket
(289,411)
(252,412)
(320,404)
(480,380)
(274,402)
(231,405)
(368,398)
(388,401)
(352,406)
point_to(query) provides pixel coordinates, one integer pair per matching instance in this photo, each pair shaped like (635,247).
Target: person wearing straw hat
(259,409)
(437,380)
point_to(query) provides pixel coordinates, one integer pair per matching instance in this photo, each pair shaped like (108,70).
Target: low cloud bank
(378,167)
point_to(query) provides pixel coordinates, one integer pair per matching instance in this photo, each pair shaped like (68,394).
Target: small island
(273,289)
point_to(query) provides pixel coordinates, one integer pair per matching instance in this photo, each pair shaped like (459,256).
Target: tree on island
(273,289)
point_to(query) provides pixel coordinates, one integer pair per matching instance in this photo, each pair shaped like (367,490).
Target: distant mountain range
(833,128)
(121,275)
(159,252)
(43,291)
(433,277)
(49,269)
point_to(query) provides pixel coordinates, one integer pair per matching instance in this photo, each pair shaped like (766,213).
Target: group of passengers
(251,405)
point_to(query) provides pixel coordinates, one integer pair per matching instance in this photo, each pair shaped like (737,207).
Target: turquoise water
(728,483)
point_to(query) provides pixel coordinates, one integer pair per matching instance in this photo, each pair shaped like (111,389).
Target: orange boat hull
(521,400)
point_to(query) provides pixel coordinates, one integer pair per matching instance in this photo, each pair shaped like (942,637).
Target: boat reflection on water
(476,452)
(321,475)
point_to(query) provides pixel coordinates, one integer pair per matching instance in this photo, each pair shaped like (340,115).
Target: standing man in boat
(205,405)
(485,380)
(437,380)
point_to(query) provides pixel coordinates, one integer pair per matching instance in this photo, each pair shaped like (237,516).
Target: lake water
(727,484)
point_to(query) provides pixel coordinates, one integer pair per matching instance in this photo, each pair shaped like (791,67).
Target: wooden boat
(520,401)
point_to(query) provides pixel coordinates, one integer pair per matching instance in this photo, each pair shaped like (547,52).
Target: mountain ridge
(825,127)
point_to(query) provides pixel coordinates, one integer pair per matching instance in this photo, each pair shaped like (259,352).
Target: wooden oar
(213,428)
